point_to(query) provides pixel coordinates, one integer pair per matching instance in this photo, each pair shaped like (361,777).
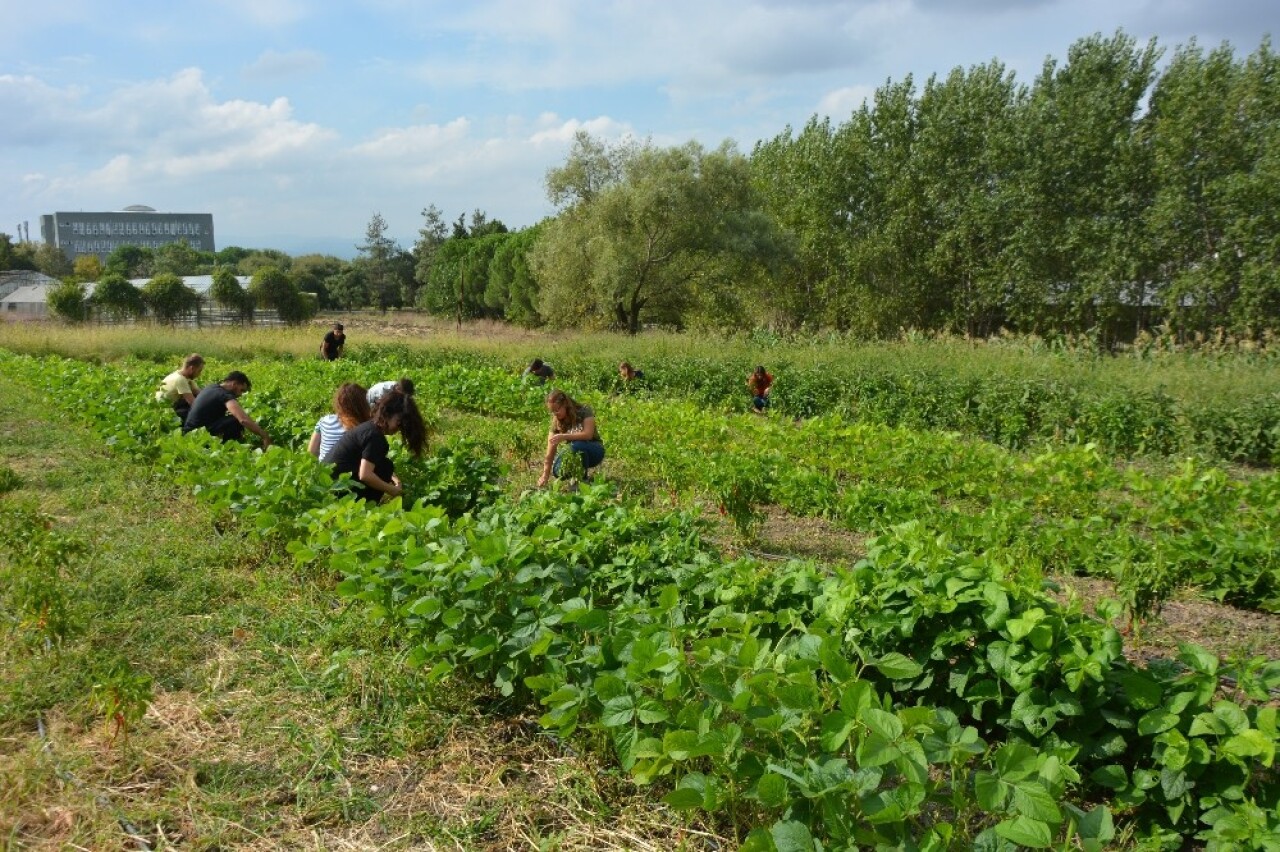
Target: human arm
(369,476)
(234,409)
(314,446)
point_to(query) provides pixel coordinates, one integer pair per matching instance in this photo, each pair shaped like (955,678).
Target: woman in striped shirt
(351,407)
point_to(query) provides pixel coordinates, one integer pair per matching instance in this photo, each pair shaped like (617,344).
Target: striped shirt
(330,429)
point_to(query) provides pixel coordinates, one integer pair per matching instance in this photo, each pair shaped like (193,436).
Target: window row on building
(108,228)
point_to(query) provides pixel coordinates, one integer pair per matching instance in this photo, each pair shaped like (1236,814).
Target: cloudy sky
(294,121)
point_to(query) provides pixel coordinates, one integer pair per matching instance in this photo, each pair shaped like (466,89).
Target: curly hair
(351,405)
(396,403)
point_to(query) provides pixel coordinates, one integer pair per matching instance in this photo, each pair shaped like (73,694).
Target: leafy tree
(512,289)
(130,261)
(88,267)
(179,258)
(50,260)
(652,243)
(116,297)
(1213,222)
(7,255)
(273,288)
(1075,193)
(227,292)
(314,272)
(378,254)
(231,256)
(67,300)
(168,298)
(259,259)
(349,289)
(431,236)
(965,152)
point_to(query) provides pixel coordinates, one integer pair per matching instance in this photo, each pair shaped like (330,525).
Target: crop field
(944,595)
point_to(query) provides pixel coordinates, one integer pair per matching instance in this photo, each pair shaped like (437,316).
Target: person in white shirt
(378,391)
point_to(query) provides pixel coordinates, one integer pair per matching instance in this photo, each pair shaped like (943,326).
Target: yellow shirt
(175,385)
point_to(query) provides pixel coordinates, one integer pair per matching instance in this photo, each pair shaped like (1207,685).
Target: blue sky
(294,121)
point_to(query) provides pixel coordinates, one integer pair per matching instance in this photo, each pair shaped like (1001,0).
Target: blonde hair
(557,398)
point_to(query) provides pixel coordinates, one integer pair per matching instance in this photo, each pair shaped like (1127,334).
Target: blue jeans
(591,453)
(760,402)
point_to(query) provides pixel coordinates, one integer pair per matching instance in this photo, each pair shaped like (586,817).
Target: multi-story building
(79,234)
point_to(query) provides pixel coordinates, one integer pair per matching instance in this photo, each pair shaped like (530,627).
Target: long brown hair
(412,428)
(557,398)
(351,404)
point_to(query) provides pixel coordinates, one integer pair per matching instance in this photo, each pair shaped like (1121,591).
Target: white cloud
(841,103)
(274,65)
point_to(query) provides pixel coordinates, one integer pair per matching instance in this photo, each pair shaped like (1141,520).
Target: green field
(1046,620)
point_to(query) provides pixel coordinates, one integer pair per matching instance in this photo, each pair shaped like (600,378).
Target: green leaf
(792,836)
(618,711)
(1251,743)
(1030,798)
(1025,831)
(896,666)
(679,745)
(991,792)
(836,728)
(1155,721)
(1112,776)
(772,790)
(881,722)
(684,799)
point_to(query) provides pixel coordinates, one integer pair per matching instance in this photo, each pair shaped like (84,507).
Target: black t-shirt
(333,343)
(209,408)
(365,441)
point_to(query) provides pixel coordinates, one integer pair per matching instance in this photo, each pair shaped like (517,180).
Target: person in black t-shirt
(331,346)
(217,409)
(363,452)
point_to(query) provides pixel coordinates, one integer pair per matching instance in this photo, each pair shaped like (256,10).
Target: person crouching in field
(179,388)
(378,391)
(350,409)
(333,343)
(575,424)
(759,383)
(363,451)
(629,374)
(217,409)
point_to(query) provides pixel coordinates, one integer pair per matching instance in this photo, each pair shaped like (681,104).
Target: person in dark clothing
(540,370)
(217,409)
(363,452)
(331,346)
(629,374)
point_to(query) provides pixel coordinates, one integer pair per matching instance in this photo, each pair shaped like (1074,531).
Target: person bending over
(179,388)
(363,452)
(350,409)
(404,385)
(540,371)
(217,409)
(574,424)
(331,346)
(629,374)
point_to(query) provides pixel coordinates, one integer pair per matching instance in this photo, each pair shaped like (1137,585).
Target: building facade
(80,234)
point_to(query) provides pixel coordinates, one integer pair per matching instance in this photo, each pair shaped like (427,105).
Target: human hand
(542,480)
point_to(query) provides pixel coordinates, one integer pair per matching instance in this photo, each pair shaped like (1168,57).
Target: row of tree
(1106,197)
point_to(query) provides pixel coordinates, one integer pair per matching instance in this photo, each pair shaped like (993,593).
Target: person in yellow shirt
(179,388)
